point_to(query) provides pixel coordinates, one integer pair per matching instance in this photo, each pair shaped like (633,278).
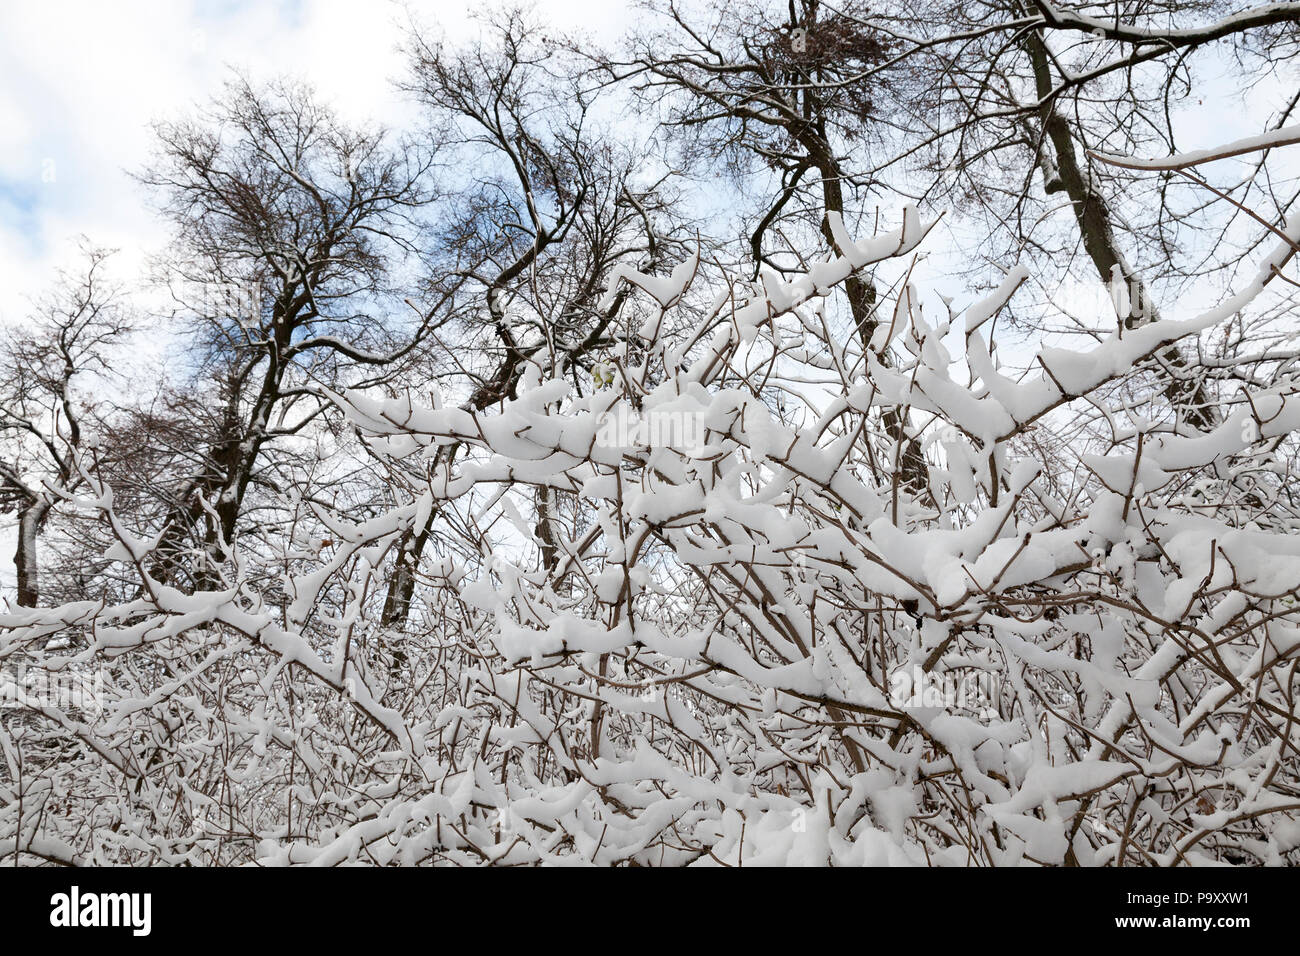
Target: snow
(701,674)
(1284,136)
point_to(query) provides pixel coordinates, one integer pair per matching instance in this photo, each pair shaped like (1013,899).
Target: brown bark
(25,558)
(1091,212)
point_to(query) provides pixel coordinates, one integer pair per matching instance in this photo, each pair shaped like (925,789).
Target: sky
(82,80)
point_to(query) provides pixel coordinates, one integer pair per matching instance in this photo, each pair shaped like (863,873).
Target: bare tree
(535,237)
(1026,90)
(44,416)
(795,89)
(287,222)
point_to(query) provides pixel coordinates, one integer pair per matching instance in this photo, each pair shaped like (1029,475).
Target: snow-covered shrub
(737,636)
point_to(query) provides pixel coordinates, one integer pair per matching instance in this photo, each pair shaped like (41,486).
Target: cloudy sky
(81,80)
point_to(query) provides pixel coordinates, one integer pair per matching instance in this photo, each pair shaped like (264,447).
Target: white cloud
(81,81)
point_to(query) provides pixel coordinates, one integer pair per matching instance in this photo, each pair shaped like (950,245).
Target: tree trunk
(862,301)
(1188,397)
(25,559)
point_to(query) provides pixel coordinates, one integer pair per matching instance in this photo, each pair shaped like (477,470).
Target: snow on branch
(690,616)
